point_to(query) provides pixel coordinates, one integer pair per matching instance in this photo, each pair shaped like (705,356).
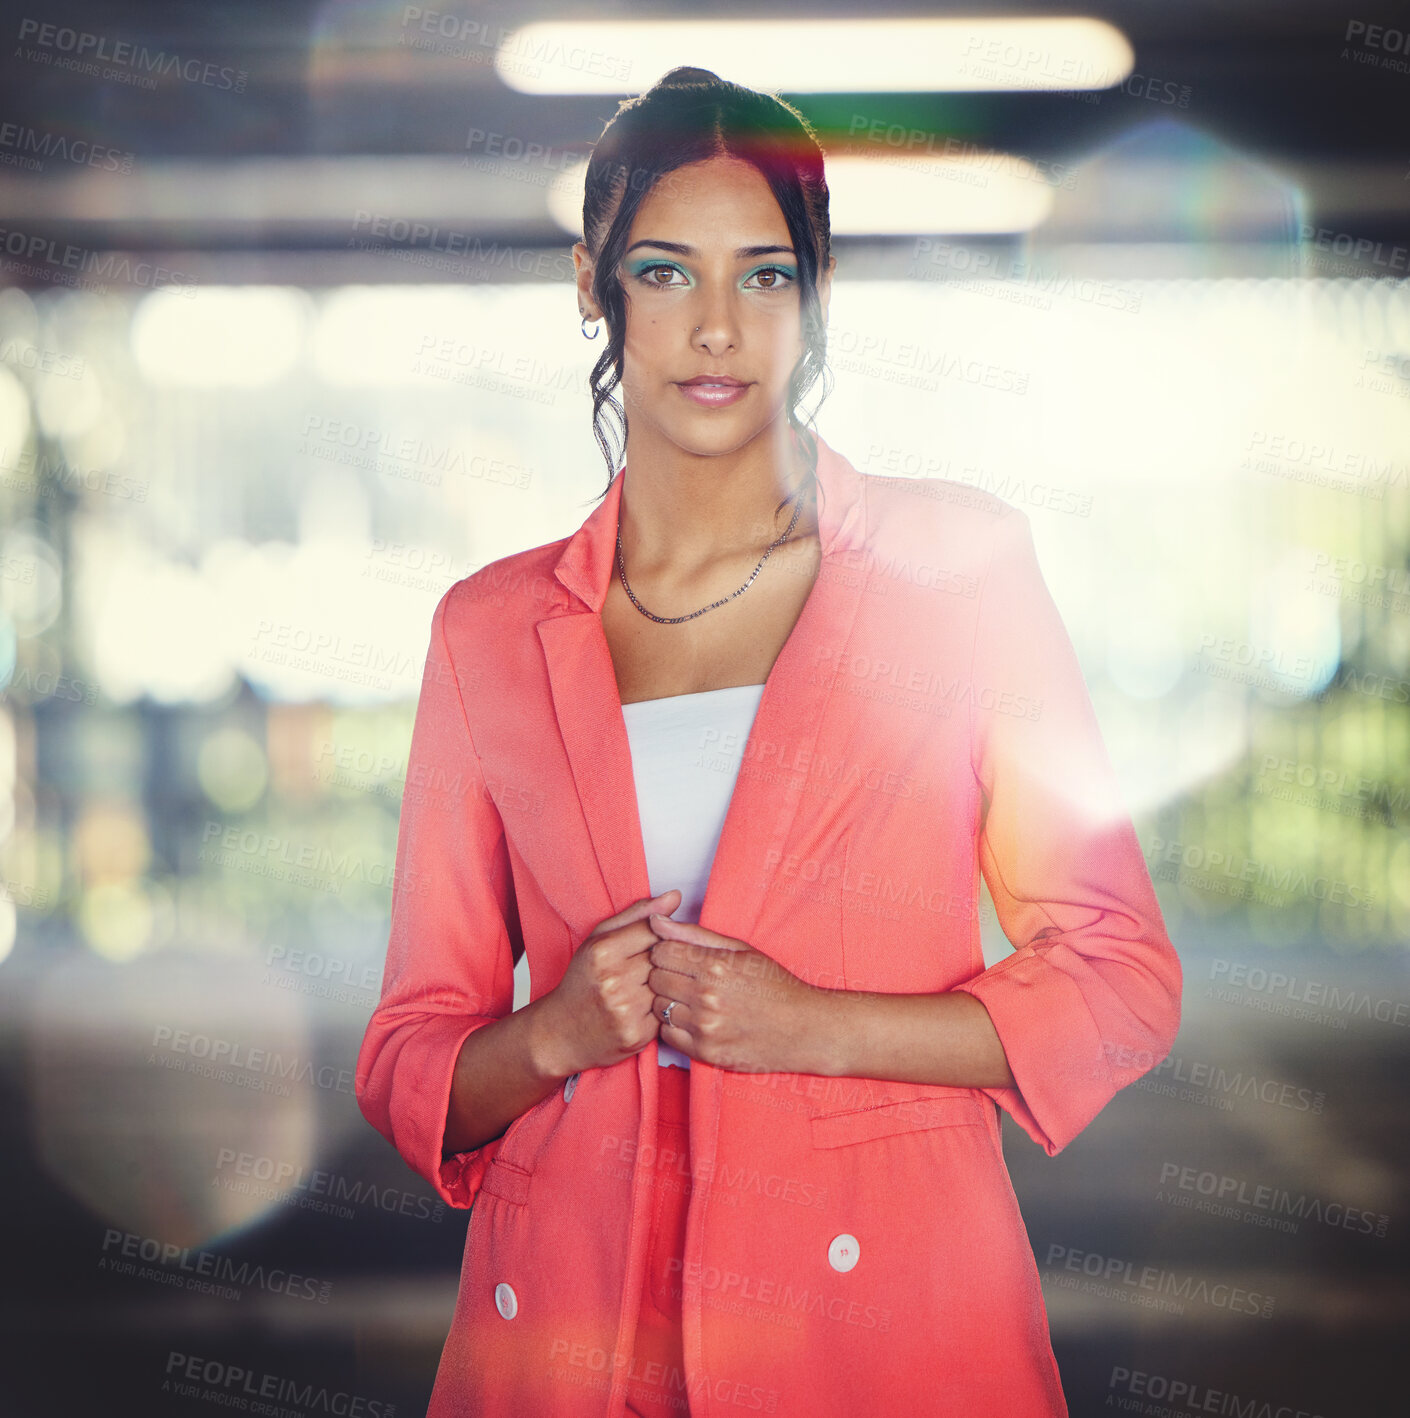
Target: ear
(583,268)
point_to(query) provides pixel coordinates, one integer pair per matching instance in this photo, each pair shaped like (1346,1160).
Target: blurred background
(288,343)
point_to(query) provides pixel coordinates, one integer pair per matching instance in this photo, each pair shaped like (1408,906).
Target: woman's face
(711,283)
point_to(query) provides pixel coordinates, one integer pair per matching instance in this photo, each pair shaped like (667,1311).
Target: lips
(712,391)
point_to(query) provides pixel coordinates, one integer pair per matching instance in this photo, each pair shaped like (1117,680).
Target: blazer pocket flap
(520,1142)
(900,1115)
(503,1179)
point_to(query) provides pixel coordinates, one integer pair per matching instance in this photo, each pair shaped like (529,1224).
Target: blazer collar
(588,561)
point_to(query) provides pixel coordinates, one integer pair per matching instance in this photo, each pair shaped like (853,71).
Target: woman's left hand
(735,1007)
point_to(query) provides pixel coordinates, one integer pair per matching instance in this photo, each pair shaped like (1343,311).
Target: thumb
(637,911)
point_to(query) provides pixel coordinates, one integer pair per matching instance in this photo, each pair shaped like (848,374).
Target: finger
(635,941)
(635,937)
(637,911)
(670,983)
(690,958)
(677,970)
(677,1030)
(691,933)
(636,969)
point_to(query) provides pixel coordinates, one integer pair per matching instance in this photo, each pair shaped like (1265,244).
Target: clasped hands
(735,1007)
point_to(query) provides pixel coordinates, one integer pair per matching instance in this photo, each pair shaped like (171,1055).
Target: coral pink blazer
(853,1245)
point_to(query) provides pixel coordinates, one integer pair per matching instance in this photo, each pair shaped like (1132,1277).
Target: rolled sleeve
(1089,1000)
(450,952)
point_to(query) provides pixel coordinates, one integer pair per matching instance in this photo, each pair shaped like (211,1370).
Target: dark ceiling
(1277,81)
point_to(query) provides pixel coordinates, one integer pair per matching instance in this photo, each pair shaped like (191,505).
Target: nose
(718,330)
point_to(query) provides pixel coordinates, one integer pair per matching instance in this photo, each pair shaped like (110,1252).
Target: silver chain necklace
(677,619)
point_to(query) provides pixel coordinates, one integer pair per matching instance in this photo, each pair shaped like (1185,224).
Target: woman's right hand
(605,1007)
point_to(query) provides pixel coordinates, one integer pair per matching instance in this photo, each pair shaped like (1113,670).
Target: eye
(647,274)
(779,277)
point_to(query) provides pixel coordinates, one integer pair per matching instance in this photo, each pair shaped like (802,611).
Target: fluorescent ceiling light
(977,194)
(973,195)
(804,55)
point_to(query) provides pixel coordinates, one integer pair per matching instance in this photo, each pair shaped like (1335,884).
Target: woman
(726,764)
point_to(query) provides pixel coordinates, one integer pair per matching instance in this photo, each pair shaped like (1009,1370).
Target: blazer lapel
(791,709)
(589,708)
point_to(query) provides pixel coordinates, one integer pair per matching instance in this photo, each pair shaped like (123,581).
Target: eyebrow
(683,250)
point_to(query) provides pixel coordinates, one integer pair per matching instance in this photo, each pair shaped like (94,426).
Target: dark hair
(688,116)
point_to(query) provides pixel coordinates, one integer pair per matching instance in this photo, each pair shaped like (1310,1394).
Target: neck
(683,513)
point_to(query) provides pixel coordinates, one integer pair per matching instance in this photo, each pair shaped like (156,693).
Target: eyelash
(787,277)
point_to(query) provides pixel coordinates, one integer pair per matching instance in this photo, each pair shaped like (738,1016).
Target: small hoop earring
(596,330)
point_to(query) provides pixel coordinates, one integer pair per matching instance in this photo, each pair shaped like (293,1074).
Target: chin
(722,436)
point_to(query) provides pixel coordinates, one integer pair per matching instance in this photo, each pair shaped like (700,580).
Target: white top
(686,752)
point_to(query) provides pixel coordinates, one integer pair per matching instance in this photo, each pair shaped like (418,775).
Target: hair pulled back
(690,115)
